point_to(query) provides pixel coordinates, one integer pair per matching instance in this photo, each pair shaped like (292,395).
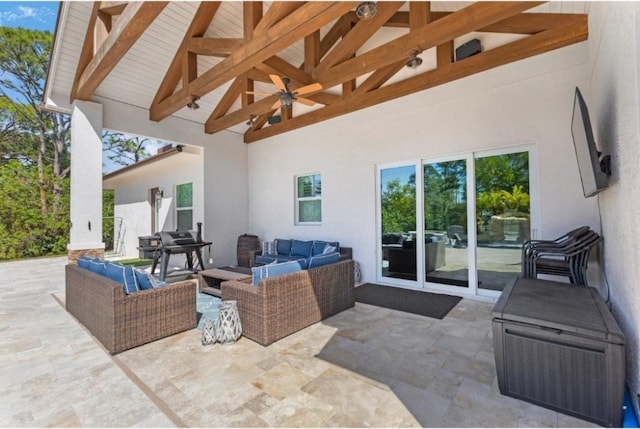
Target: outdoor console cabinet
(557,345)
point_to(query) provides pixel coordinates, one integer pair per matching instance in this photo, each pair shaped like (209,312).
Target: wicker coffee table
(209,280)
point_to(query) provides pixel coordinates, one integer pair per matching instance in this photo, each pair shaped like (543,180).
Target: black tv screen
(593,178)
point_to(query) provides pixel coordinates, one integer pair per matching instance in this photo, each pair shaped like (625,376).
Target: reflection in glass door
(445,223)
(503,216)
(398,222)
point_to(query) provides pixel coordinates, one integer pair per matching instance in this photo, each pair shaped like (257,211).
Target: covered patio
(365,367)
(376,95)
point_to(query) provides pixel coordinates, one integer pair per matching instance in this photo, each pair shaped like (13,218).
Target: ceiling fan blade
(314,87)
(258,92)
(277,81)
(305,101)
(276,105)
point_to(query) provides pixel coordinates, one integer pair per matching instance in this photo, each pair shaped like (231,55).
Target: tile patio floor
(364,367)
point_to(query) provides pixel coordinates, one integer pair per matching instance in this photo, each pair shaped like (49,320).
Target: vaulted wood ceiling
(334,54)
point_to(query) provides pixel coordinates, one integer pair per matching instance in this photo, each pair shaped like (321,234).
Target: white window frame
(298,199)
(179,209)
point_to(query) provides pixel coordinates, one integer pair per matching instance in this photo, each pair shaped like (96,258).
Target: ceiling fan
(286,96)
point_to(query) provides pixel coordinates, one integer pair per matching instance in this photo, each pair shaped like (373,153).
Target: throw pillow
(269,248)
(123,275)
(328,249)
(144,280)
(259,273)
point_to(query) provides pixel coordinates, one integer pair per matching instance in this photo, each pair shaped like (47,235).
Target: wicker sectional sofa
(282,305)
(120,321)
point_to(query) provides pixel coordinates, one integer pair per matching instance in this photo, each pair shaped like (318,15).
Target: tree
(123,149)
(34,151)
(32,135)
(398,206)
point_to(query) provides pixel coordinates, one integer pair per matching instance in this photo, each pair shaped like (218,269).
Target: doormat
(411,301)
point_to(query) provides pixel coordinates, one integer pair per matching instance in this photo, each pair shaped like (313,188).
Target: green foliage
(25,231)
(108,198)
(501,201)
(398,203)
(445,194)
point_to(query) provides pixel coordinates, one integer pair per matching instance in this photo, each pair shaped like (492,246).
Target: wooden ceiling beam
(201,20)
(252,14)
(133,22)
(276,12)
(88,49)
(227,100)
(438,32)
(311,52)
(523,23)
(572,31)
(213,47)
(113,7)
(358,35)
(234,118)
(339,29)
(300,23)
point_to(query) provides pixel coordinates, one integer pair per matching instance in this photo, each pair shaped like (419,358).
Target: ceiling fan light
(414,60)
(192,103)
(366,10)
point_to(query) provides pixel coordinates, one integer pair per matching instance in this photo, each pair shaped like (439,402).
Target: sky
(35,15)
(42,15)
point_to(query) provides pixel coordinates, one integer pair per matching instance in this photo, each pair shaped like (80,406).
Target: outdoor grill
(178,242)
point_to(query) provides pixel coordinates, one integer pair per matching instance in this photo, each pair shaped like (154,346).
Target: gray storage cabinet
(558,346)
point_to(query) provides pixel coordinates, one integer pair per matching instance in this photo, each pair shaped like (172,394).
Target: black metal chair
(566,257)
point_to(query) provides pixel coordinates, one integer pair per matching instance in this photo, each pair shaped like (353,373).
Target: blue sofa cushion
(320,260)
(123,275)
(97,267)
(319,246)
(265,259)
(301,248)
(273,270)
(83,262)
(283,246)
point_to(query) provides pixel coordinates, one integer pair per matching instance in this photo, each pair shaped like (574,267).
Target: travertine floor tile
(365,367)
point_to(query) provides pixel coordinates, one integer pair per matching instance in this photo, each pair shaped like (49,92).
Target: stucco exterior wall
(133,198)
(224,172)
(614,102)
(529,102)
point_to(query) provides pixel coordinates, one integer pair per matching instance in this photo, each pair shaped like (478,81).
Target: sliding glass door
(503,216)
(397,223)
(446,235)
(458,226)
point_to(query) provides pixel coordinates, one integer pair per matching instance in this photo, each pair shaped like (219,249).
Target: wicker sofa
(120,321)
(282,305)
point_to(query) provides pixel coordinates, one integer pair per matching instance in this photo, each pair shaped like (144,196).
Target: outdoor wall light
(192,103)
(366,10)
(414,60)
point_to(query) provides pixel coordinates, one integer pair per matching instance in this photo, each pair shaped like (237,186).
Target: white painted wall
(224,179)
(86,162)
(527,102)
(133,198)
(614,103)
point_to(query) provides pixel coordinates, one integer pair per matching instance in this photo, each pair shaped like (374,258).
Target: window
(308,199)
(184,206)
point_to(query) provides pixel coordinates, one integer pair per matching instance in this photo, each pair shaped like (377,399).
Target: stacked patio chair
(566,256)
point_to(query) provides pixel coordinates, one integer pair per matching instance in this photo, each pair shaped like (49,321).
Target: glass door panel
(503,216)
(445,223)
(398,222)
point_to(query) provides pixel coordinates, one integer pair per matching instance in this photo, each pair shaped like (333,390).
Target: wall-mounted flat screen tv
(594,168)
